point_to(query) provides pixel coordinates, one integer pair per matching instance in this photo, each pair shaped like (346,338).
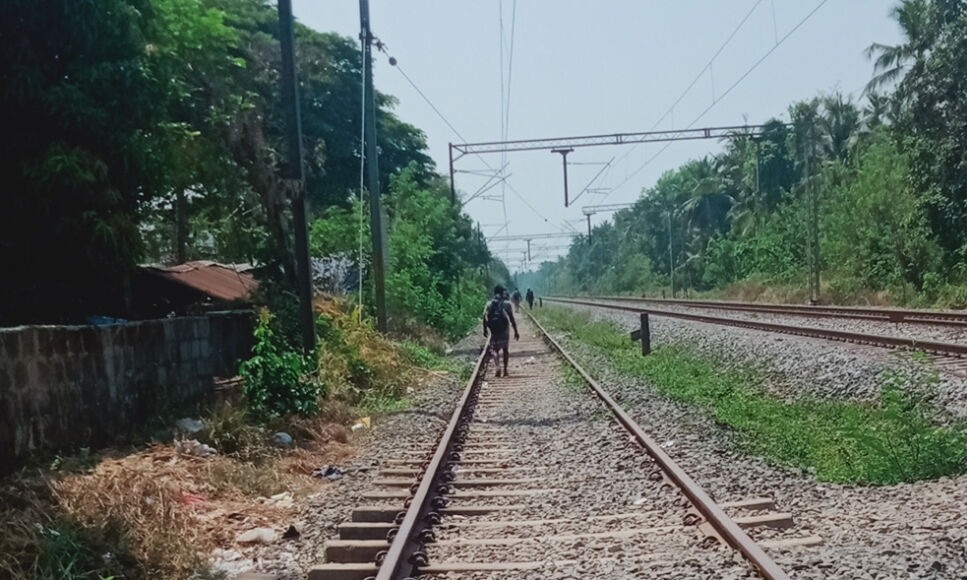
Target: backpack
(497,320)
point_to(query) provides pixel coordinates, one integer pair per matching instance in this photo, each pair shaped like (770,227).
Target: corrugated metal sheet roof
(222,281)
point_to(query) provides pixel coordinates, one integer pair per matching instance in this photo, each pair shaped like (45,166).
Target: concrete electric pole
(293,170)
(376,215)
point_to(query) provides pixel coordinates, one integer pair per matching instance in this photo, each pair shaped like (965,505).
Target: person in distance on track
(498,318)
(516,298)
(530,299)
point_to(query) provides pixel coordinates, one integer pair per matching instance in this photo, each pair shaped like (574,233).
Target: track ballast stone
(797,366)
(591,470)
(916,530)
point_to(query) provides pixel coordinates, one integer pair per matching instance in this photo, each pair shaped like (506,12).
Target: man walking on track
(516,298)
(530,299)
(498,318)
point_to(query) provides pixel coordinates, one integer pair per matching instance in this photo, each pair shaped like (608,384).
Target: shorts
(499,343)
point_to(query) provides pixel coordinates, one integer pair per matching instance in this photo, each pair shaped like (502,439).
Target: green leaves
(889,441)
(275,376)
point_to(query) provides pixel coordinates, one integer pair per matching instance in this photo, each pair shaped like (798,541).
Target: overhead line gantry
(528,237)
(590,210)
(566,145)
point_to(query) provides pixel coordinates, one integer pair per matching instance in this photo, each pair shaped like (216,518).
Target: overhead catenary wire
(698,76)
(510,67)
(447,122)
(504,106)
(725,93)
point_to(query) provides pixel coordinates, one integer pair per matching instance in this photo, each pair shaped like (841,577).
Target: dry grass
(142,498)
(360,366)
(158,513)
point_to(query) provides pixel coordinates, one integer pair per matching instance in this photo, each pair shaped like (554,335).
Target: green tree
(81,155)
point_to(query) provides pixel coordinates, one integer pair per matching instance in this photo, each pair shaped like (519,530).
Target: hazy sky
(599,66)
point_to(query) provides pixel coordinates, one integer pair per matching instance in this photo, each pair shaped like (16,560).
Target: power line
(462,138)
(428,101)
(708,65)
(510,67)
(698,76)
(724,94)
(503,110)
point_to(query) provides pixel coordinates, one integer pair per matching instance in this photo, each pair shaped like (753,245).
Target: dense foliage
(274,377)
(885,182)
(151,131)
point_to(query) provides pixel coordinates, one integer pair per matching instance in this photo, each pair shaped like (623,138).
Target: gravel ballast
(591,480)
(913,530)
(796,366)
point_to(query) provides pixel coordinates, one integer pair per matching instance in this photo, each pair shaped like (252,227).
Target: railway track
(897,315)
(532,478)
(950,357)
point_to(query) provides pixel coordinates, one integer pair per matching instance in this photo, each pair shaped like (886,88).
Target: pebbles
(913,530)
(597,513)
(796,366)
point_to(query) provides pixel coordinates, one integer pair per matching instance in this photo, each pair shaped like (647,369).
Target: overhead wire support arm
(590,210)
(599,140)
(565,145)
(525,237)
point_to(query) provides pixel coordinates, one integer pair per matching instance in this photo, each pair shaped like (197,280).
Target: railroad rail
(945,349)
(409,534)
(904,315)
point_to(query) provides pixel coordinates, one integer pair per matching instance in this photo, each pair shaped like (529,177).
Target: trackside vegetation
(888,441)
(876,178)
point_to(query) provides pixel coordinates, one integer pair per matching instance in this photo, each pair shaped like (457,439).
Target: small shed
(193,286)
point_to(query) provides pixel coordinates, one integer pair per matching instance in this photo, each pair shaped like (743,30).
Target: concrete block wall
(64,387)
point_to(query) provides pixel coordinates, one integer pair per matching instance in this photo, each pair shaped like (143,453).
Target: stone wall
(64,387)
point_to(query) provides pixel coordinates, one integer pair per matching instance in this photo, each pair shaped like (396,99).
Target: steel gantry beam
(590,210)
(528,237)
(565,145)
(607,207)
(537,251)
(552,143)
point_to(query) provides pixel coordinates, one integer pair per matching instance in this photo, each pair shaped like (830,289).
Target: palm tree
(877,110)
(892,62)
(840,125)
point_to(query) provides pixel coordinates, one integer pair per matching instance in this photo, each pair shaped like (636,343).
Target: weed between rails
(891,440)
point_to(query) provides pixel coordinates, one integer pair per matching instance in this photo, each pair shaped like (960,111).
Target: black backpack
(497,320)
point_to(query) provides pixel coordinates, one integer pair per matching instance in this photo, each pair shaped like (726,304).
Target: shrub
(274,377)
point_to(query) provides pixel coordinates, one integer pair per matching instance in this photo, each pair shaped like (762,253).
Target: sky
(578,67)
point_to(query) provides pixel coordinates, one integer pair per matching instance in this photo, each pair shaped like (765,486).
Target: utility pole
(813,235)
(671,255)
(376,217)
(817,254)
(293,170)
(453,189)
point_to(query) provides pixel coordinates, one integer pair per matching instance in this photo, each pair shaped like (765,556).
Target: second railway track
(896,315)
(950,357)
(532,478)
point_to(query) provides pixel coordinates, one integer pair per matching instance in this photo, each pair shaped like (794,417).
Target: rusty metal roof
(221,281)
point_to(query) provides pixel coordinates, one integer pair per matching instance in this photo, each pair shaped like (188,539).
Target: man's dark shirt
(501,336)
